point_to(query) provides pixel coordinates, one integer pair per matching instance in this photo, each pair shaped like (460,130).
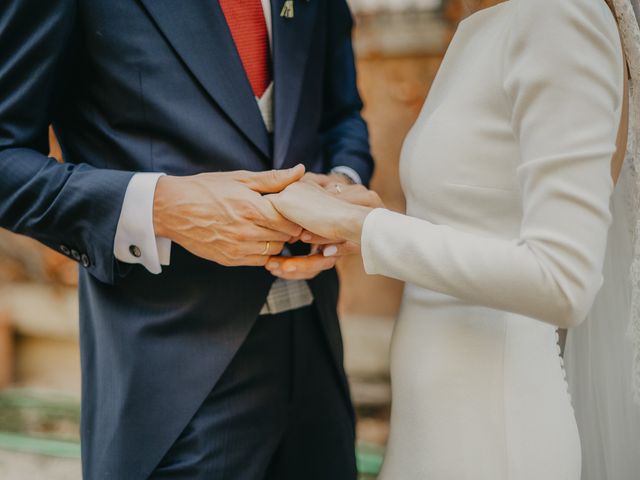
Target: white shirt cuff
(349,172)
(135,240)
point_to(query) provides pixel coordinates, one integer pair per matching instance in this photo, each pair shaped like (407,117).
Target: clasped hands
(246,218)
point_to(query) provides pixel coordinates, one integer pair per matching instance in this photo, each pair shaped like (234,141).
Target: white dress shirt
(135,239)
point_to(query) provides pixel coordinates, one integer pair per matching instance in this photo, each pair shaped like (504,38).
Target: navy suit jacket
(157,85)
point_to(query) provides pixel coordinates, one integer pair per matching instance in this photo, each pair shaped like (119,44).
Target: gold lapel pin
(287,9)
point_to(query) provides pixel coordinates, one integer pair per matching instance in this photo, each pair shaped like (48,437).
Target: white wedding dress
(507,179)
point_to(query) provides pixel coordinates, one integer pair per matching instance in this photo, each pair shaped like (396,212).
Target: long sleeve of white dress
(563,80)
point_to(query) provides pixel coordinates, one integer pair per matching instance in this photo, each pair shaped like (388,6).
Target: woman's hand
(332,216)
(324,252)
(344,190)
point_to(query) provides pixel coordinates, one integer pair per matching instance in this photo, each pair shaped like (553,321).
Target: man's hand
(308,267)
(325,253)
(223,217)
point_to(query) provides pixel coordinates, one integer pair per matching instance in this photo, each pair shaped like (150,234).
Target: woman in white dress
(508,177)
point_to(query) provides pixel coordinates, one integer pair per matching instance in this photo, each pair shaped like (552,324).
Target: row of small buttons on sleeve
(77,256)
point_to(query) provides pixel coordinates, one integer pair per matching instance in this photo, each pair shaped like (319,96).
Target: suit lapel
(291,41)
(198,32)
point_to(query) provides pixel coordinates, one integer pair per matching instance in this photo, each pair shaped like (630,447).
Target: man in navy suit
(175,118)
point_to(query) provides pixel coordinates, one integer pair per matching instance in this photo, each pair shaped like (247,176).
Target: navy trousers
(279,412)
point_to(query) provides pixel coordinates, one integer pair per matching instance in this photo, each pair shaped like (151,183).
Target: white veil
(602,356)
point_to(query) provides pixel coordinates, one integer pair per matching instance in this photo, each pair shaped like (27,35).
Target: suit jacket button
(64,249)
(84,258)
(76,255)
(135,251)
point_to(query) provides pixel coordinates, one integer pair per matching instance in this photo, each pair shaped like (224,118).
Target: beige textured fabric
(286,295)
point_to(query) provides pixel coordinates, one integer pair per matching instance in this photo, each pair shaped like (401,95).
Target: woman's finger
(340,249)
(359,195)
(318,179)
(312,238)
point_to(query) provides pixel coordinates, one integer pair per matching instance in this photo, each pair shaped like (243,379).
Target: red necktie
(249,31)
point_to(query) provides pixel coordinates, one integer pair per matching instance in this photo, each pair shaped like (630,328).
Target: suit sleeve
(563,76)
(72,208)
(345,134)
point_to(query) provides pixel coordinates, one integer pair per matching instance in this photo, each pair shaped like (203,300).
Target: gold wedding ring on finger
(267,246)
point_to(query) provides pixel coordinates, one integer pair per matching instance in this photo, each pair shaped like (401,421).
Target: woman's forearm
(350,222)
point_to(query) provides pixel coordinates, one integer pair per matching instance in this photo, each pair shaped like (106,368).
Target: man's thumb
(274,181)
